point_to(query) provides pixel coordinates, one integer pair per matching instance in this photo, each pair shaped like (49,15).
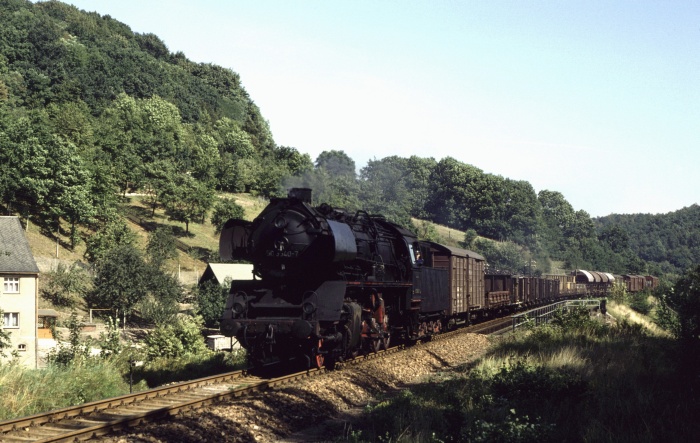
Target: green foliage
(577,318)
(576,379)
(211,300)
(162,293)
(506,256)
(187,200)
(426,231)
(666,317)
(109,341)
(469,236)
(671,241)
(65,286)
(76,352)
(156,310)
(618,293)
(639,301)
(120,279)
(685,300)
(114,232)
(336,164)
(225,210)
(172,340)
(26,392)
(161,246)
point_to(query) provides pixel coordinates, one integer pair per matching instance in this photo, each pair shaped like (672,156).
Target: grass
(577,380)
(26,392)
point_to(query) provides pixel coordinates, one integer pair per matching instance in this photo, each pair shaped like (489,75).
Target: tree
(336,163)
(225,210)
(161,246)
(211,298)
(121,280)
(65,286)
(111,233)
(685,300)
(615,237)
(186,200)
(156,180)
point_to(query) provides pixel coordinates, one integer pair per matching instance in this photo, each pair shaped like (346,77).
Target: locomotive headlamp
(239,307)
(308,308)
(240,303)
(280,222)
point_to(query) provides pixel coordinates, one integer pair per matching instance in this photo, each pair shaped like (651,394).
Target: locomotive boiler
(327,283)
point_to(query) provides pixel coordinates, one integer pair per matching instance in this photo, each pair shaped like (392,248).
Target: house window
(11,320)
(21,347)
(11,285)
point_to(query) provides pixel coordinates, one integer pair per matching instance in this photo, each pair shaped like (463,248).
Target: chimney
(303,194)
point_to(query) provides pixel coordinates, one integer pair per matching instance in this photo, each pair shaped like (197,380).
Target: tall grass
(574,380)
(26,392)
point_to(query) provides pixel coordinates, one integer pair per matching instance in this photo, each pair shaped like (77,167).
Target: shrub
(211,299)
(173,340)
(639,301)
(76,352)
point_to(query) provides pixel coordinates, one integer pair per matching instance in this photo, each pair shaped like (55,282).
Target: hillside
(670,241)
(91,111)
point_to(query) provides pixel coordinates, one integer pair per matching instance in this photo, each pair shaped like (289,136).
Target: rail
(543,314)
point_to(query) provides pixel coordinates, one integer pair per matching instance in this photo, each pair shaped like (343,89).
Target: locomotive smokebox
(303,194)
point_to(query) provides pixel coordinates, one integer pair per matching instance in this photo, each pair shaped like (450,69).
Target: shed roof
(222,271)
(47,313)
(15,254)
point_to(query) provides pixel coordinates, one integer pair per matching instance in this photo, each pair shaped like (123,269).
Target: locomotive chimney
(303,194)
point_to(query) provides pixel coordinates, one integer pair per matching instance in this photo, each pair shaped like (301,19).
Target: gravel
(316,409)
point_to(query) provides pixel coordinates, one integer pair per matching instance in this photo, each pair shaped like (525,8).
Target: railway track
(99,418)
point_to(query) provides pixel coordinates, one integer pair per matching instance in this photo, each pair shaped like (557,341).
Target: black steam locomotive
(329,284)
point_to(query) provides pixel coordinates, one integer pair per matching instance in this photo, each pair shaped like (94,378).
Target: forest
(90,111)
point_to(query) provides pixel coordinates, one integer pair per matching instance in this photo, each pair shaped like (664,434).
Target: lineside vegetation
(574,379)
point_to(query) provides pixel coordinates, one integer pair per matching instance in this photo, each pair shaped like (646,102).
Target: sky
(596,99)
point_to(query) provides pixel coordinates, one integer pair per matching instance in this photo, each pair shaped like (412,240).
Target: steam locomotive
(329,284)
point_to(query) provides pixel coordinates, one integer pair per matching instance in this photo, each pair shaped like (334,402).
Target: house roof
(15,254)
(221,271)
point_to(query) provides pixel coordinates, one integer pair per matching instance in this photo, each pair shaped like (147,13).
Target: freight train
(329,284)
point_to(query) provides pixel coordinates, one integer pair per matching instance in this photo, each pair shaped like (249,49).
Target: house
(219,272)
(19,290)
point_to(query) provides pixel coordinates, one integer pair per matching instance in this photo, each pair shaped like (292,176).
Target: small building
(47,321)
(19,291)
(219,272)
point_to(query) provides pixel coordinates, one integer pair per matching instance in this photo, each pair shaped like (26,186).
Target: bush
(639,301)
(224,211)
(211,300)
(174,340)
(76,352)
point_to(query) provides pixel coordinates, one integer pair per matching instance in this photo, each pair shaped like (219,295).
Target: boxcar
(465,279)
(634,283)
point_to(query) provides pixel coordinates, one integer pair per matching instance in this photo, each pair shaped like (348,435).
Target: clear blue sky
(599,100)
